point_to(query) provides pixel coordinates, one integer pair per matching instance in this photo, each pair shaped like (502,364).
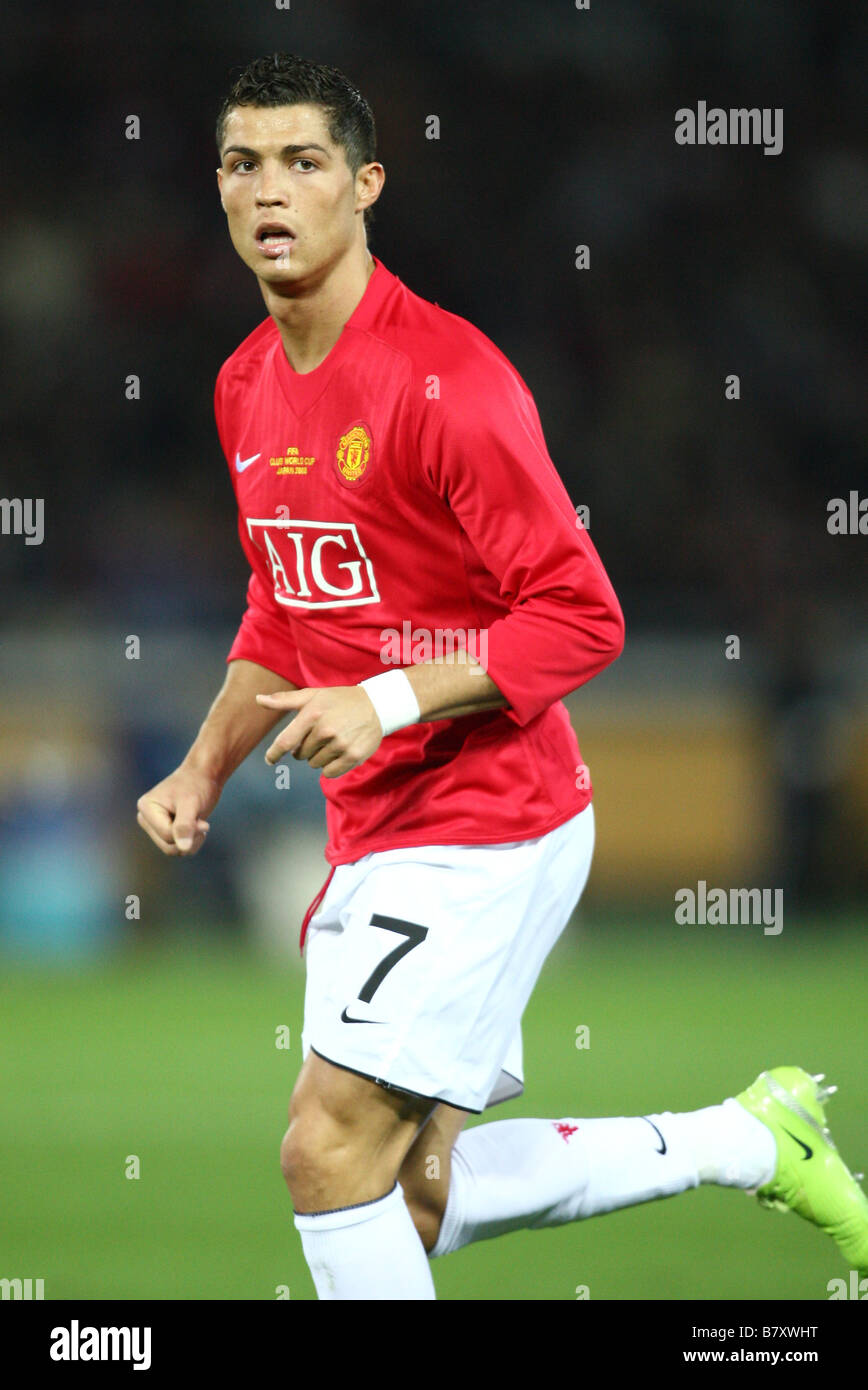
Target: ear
(370,180)
(220,188)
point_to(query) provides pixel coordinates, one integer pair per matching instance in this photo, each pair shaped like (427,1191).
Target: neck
(311,319)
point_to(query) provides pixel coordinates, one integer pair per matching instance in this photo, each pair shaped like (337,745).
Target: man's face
(292,203)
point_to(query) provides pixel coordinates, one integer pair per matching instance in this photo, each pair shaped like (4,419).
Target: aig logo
(315,564)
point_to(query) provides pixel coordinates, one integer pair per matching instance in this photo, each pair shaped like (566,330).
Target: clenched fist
(173,812)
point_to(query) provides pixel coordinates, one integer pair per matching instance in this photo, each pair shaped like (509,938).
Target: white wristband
(392,696)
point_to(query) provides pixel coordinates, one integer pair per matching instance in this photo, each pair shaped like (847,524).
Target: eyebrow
(287,149)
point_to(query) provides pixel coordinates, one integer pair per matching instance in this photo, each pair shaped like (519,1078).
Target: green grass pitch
(170,1055)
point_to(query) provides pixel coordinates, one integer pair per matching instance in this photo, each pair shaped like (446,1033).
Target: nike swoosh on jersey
(241,464)
(345,1018)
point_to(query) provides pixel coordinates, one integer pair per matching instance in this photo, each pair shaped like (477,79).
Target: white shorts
(420,961)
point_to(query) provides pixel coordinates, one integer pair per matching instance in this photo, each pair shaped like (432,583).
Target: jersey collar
(302,390)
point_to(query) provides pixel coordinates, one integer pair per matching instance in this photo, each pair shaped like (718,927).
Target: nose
(269,189)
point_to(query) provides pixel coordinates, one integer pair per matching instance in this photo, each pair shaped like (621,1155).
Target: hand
(172,812)
(336,727)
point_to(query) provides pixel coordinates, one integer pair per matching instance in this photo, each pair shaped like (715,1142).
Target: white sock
(370,1251)
(527,1174)
(732,1147)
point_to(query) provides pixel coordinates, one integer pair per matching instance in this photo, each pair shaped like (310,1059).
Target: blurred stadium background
(154,1034)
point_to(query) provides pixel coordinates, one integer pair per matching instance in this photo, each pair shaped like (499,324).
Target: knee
(326,1151)
(319,1128)
(305,1147)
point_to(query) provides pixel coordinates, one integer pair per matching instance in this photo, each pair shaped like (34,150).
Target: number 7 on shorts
(415,935)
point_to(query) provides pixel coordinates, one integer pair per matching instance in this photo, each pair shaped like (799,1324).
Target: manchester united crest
(353,453)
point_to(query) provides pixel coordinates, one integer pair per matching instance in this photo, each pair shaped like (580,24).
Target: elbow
(610,633)
(617,630)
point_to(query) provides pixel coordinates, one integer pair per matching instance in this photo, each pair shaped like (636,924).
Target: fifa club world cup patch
(292,462)
(353,454)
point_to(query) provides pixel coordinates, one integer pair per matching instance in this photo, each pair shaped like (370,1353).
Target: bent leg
(340,1156)
(527,1174)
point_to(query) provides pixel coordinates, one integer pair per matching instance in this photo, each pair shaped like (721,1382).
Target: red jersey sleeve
(483,450)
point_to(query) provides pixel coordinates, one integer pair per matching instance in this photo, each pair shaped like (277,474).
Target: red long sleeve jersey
(398,497)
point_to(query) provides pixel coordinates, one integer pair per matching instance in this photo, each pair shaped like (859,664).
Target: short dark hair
(284,79)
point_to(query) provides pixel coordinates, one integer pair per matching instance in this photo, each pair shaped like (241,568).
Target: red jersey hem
(378,845)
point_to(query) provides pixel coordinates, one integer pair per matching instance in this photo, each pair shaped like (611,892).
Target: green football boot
(811,1178)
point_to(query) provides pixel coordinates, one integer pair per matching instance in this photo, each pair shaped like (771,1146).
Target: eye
(240,163)
(305,160)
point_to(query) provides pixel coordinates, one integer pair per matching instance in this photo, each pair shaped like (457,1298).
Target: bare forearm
(449,688)
(235,722)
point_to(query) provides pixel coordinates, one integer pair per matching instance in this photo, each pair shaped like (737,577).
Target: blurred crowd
(556,129)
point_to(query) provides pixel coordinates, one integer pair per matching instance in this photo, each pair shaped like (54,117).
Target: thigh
(331,1100)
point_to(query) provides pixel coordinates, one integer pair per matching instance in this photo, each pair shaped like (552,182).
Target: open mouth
(274,239)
